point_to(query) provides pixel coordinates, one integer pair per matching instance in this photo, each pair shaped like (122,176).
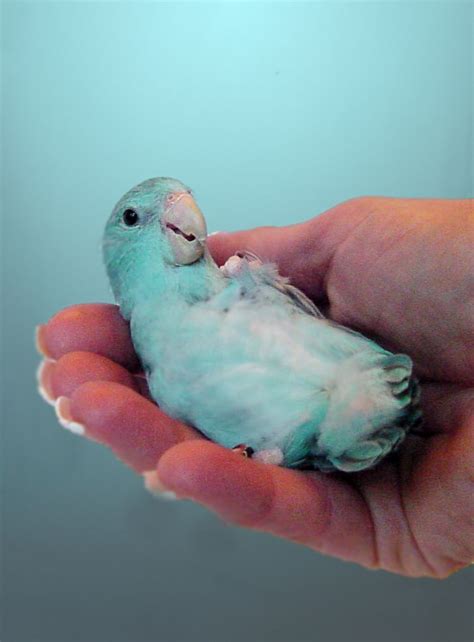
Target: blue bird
(240,353)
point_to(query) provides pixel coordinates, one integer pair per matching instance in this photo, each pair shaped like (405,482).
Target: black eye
(130,218)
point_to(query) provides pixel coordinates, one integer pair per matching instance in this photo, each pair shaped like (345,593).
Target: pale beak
(185,227)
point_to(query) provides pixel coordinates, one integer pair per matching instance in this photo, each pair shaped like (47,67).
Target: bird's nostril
(173,197)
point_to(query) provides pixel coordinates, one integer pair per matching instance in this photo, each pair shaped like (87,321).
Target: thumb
(302,252)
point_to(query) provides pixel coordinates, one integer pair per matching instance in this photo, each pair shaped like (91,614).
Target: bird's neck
(180,284)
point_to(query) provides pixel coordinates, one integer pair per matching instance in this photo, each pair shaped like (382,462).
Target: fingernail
(63,413)
(40,341)
(155,486)
(43,377)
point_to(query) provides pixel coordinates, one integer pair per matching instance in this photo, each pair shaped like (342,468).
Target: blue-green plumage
(241,354)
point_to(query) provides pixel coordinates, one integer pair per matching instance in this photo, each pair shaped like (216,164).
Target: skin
(401,271)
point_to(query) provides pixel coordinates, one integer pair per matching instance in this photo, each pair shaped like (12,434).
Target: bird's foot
(243,450)
(270,456)
(233,266)
(239,262)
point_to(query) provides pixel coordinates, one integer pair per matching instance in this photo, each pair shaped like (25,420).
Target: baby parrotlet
(242,355)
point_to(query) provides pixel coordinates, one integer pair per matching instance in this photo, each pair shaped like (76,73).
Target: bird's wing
(267,274)
(254,274)
(298,298)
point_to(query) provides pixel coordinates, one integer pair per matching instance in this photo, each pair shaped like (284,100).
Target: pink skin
(399,270)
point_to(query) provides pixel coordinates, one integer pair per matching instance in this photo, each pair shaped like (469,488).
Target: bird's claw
(239,262)
(243,450)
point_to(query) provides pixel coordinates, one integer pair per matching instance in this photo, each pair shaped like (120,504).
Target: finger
(315,509)
(302,252)
(142,386)
(439,498)
(444,406)
(135,429)
(90,327)
(62,377)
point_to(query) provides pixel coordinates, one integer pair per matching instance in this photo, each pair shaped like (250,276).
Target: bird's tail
(386,429)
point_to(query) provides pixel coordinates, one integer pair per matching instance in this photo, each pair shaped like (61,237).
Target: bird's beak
(184,214)
(185,227)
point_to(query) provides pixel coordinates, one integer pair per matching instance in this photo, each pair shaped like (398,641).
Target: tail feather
(371,449)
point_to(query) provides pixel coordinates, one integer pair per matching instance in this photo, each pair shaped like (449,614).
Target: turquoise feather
(244,356)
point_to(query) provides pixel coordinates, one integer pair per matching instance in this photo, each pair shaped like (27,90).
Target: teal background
(272,112)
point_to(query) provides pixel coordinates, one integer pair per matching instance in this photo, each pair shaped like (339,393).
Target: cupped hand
(401,271)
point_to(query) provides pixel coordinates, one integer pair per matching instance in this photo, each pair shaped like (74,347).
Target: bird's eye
(130,218)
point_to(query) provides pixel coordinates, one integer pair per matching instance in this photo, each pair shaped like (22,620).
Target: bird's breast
(240,375)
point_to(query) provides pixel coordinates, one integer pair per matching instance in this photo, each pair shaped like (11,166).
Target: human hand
(400,271)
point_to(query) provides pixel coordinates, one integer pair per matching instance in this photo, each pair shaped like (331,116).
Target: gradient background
(272,112)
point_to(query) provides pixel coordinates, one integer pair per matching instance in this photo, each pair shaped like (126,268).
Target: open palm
(402,272)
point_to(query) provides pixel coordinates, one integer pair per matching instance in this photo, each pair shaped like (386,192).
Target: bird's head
(156,226)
